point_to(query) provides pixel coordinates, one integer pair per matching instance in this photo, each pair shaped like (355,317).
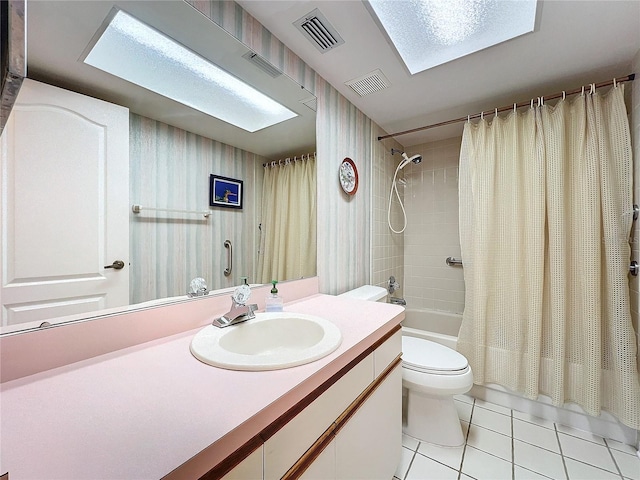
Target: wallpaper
(170,168)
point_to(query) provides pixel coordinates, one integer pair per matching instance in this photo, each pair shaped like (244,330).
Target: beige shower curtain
(288,226)
(545,218)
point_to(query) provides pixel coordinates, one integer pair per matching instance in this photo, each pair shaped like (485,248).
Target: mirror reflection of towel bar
(139,208)
(453,261)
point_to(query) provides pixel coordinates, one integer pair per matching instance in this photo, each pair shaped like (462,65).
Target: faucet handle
(241,295)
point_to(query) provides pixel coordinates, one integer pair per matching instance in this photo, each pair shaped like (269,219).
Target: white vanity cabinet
(249,468)
(352,430)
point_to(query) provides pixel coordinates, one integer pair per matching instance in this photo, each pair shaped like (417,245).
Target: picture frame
(225,192)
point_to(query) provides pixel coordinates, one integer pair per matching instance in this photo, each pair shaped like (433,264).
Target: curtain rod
(288,160)
(628,78)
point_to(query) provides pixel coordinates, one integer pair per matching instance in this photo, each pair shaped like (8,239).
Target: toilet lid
(424,355)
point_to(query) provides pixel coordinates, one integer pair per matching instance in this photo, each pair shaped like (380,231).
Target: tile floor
(505,444)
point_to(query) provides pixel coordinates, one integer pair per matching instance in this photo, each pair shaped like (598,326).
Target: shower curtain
(288,226)
(545,218)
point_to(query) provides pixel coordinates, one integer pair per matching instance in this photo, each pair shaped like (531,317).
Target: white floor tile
(535,435)
(492,420)
(629,464)
(424,468)
(405,461)
(538,460)
(450,456)
(410,442)
(524,474)
(464,398)
(621,447)
(482,466)
(493,407)
(490,442)
(464,410)
(465,429)
(587,452)
(582,471)
(574,432)
(533,419)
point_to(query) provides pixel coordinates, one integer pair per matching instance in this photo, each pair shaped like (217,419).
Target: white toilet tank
(371,293)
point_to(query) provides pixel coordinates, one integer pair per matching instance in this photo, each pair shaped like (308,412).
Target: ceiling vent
(262,64)
(319,31)
(369,83)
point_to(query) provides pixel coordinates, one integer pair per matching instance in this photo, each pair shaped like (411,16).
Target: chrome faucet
(240,311)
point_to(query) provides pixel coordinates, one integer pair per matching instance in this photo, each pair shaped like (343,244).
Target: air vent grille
(369,83)
(319,31)
(262,64)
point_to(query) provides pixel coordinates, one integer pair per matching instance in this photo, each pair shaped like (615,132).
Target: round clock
(348,176)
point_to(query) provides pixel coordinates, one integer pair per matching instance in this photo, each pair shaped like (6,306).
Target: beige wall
(432,232)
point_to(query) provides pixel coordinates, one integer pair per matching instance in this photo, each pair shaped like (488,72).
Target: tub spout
(397,301)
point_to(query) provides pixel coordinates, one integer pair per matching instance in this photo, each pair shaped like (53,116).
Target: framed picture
(225,192)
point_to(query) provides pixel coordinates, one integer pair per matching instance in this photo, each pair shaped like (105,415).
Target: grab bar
(227,245)
(453,261)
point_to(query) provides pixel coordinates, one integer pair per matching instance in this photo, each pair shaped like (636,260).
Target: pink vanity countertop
(153,410)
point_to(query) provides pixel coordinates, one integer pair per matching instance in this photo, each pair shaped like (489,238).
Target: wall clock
(348,176)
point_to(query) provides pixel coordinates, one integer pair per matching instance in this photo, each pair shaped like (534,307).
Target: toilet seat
(424,356)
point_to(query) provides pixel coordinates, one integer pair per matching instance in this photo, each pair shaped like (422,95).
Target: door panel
(65,205)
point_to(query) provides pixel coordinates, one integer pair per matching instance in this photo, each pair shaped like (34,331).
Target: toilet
(431,375)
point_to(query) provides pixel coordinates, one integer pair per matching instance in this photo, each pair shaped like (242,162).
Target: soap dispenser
(274,301)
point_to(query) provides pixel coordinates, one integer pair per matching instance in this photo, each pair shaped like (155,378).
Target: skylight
(142,55)
(427,33)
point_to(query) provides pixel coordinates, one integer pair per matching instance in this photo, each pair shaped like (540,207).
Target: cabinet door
(249,469)
(64,216)
(324,467)
(370,444)
(283,449)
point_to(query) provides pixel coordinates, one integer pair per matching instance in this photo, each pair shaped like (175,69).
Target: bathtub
(443,327)
(437,326)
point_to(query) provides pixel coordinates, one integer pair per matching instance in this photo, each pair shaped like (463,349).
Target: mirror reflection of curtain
(288,238)
(545,218)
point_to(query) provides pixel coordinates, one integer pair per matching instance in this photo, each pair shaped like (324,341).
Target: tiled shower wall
(432,234)
(635,139)
(387,248)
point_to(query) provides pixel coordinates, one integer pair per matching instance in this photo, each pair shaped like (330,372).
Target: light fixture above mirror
(134,51)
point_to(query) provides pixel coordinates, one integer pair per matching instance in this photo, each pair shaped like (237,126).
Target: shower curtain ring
(593,88)
(582,91)
(564,95)
(481,115)
(615,84)
(514,108)
(496,113)
(532,103)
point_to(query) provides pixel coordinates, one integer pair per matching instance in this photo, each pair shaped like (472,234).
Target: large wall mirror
(173,149)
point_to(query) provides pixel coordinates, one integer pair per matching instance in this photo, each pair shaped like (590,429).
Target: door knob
(118,265)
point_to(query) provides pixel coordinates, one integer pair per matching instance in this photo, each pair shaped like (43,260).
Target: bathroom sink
(270,341)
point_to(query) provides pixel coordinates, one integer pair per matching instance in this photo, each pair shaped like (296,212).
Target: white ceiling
(574,43)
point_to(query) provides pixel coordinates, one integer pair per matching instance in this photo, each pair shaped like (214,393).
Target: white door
(65,205)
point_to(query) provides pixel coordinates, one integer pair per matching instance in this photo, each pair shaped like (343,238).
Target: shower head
(406,160)
(415,158)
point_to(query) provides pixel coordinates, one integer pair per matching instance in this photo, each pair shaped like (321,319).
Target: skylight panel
(427,33)
(138,53)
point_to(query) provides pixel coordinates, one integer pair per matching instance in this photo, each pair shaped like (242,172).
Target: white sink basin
(270,341)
